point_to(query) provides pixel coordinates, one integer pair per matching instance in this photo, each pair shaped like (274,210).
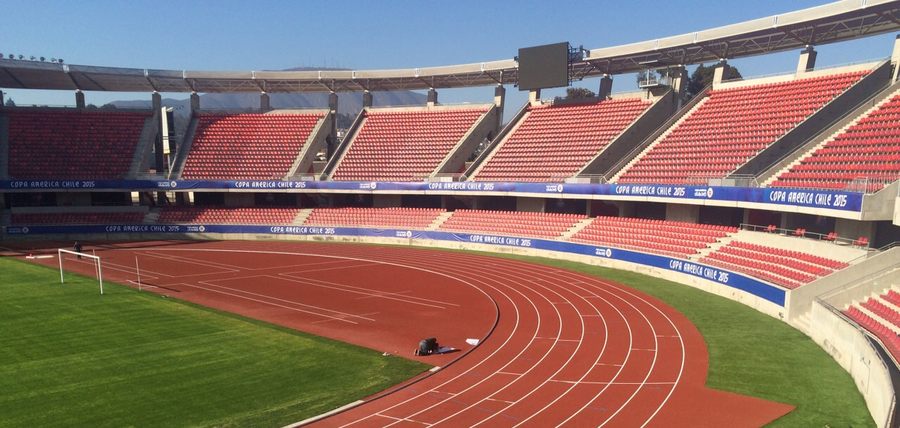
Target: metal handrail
(656,134)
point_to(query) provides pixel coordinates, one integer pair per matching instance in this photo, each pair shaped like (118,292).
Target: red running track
(558,348)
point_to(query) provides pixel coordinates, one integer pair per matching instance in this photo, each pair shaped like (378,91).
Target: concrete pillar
(264,102)
(605,87)
(895,58)
(79,99)
(720,72)
(534,96)
(807,60)
(500,102)
(195,104)
(432,97)
(679,83)
(331,140)
(367,99)
(159,160)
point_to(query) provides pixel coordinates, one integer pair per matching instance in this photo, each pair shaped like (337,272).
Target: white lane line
(268,303)
(352,287)
(278,299)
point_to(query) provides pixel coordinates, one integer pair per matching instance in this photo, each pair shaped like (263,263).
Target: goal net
(74,258)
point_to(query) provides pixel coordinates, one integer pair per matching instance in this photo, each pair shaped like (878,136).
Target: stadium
(670,255)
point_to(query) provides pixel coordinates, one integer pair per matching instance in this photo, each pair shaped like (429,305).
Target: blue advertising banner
(753,286)
(826,199)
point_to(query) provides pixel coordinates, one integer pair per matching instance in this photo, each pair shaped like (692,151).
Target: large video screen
(544,66)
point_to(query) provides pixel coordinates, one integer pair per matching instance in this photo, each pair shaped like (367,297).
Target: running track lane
(566,348)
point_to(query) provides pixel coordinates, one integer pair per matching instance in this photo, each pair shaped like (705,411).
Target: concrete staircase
(302,216)
(663,136)
(712,248)
(576,228)
(876,317)
(143,152)
(444,216)
(768,181)
(152,216)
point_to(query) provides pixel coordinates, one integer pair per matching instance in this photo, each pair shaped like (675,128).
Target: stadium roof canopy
(833,22)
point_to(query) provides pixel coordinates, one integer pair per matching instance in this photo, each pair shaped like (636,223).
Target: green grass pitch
(70,357)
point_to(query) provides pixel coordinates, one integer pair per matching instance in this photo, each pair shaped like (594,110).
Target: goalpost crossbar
(97,264)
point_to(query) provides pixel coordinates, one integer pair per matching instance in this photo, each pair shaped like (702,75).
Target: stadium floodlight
(98,268)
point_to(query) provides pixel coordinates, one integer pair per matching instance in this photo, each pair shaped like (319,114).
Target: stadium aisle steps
(880,319)
(869,148)
(670,238)
(787,268)
(441,219)
(395,217)
(733,126)
(220,215)
(405,145)
(515,223)
(555,141)
(247,145)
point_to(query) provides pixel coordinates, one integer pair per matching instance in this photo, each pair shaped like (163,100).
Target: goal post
(98,267)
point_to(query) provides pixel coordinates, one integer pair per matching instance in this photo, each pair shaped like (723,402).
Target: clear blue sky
(272,35)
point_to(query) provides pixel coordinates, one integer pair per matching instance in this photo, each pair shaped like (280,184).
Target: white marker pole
(138,269)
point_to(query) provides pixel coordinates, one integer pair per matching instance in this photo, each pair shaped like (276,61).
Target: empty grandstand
(415,218)
(731,126)
(866,155)
(554,141)
(407,144)
(72,144)
(248,145)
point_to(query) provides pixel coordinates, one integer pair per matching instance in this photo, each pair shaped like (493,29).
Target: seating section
(411,218)
(543,225)
(228,215)
(787,268)
(404,145)
(247,146)
(72,144)
(78,218)
(555,141)
(869,149)
(672,238)
(880,318)
(732,126)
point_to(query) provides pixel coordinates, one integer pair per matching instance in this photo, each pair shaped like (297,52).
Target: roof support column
(807,60)
(679,83)
(195,104)
(500,102)
(331,140)
(534,97)
(264,102)
(721,71)
(2,102)
(895,58)
(432,97)
(159,153)
(367,99)
(605,87)
(79,99)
